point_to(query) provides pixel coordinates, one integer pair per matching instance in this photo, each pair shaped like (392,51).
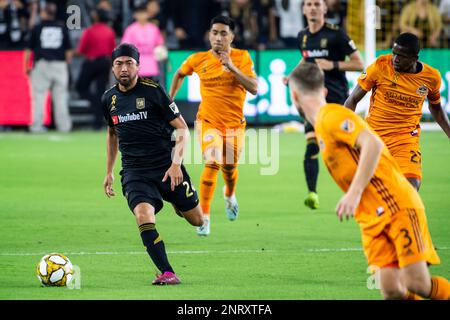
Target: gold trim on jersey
(149,82)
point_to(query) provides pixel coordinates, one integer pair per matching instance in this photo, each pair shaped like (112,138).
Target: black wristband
(336,65)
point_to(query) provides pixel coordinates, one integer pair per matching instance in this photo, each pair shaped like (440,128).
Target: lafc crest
(140,103)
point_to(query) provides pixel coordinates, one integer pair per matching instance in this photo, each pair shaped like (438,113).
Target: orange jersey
(397,98)
(222,94)
(388,192)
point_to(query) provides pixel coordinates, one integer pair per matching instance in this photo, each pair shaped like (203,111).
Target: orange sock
(412,296)
(230,176)
(208,181)
(440,288)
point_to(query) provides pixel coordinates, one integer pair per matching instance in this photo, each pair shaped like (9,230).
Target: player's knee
(229,167)
(144,213)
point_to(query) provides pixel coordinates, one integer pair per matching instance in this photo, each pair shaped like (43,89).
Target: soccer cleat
(231,206)
(166,278)
(204,230)
(312,200)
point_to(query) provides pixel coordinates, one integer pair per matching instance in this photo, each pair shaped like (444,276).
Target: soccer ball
(54,269)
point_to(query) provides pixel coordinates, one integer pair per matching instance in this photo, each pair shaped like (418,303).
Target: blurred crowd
(260,24)
(81,34)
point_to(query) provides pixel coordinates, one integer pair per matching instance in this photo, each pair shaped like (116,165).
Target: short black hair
(223,20)
(102,15)
(307,77)
(141,7)
(410,42)
(125,49)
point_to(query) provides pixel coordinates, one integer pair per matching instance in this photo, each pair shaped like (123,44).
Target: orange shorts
(220,145)
(405,240)
(406,151)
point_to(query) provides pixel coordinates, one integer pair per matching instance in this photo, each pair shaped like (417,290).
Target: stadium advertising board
(273,104)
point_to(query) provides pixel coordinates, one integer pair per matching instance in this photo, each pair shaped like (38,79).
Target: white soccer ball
(54,269)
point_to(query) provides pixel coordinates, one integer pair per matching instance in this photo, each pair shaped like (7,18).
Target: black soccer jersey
(330,43)
(141,118)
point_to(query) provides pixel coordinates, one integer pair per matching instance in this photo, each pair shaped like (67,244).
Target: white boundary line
(82,253)
(111,253)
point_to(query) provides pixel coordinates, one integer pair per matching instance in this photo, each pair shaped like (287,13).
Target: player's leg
(409,158)
(311,166)
(145,219)
(233,145)
(194,216)
(211,144)
(144,200)
(184,200)
(417,279)
(391,286)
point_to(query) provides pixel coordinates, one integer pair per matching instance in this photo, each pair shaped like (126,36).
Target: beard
(126,81)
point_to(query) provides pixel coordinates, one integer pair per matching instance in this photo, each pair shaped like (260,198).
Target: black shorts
(146,186)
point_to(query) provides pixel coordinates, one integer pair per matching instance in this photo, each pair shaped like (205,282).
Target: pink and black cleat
(166,278)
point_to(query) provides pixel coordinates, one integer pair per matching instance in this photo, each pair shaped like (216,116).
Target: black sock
(155,247)
(311,164)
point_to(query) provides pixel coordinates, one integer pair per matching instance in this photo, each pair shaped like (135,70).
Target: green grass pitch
(51,200)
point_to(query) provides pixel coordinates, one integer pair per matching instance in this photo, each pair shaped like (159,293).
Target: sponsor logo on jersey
(422,90)
(315,53)
(208,138)
(348,125)
(142,115)
(140,103)
(380,211)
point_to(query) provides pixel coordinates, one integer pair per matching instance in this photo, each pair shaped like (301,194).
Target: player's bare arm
(182,135)
(250,83)
(355,97)
(370,147)
(112,148)
(355,63)
(440,116)
(177,81)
